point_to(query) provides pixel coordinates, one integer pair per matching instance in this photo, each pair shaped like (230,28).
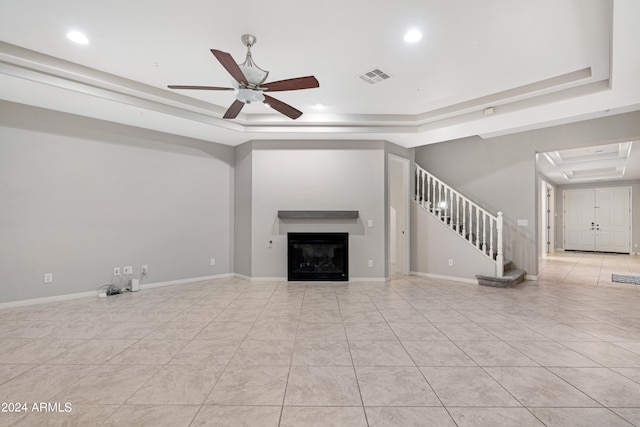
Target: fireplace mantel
(318,214)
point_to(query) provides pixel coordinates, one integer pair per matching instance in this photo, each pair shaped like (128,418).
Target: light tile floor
(560,351)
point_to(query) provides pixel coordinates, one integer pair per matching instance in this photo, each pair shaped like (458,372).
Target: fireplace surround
(318,256)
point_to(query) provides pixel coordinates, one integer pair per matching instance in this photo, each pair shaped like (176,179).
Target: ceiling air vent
(374,76)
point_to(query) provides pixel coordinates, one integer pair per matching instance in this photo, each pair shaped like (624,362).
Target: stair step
(509,279)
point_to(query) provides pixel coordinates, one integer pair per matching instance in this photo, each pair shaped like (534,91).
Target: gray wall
(82,196)
(500,173)
(243,191)
(79,197)
(635,208)
(318,175)
(435,244)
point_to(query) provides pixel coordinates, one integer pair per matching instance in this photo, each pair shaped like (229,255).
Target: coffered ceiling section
(480,68)
(597,163)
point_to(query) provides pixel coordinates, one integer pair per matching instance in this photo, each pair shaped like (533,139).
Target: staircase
(477,226)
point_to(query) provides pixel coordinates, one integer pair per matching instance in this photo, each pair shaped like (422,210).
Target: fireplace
(318,256)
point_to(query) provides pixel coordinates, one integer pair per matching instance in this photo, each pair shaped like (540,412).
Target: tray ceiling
(532,64)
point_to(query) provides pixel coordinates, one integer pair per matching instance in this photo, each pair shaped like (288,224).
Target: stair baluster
(491,238)
(470,236)
(447,206)
(458,213)
(478,229)
(424,177)
(500,255)
(484,232)
(430,194)
(464,217)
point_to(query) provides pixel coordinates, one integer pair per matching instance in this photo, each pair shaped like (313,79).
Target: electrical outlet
(116,271)
(370,223)
(145,269)
(451,263)
(127,270)
(213,261)
(48,278)
(370,263)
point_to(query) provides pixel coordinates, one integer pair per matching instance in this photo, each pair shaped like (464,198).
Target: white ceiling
(610,162)
(537,63)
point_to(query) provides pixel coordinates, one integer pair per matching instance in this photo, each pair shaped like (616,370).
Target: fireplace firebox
(318,256)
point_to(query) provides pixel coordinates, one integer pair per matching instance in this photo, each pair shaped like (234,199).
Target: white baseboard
(86,294)
(439,276)
(369,279)
(284,279)
(44,300)
(260,279)
(460,279)
(183,281)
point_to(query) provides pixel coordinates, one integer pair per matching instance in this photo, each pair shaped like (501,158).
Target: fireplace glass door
(318,256)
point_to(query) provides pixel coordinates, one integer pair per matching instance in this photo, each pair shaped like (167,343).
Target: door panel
(612,219)
(579,233)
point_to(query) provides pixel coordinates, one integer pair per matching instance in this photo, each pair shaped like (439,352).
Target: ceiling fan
(250,83)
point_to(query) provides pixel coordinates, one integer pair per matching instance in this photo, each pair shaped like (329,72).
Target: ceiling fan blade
(280,106)
(199,87)
(230,65)
(297,83)
(234,110)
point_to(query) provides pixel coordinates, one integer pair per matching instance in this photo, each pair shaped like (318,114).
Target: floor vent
(621,278)
(374,76)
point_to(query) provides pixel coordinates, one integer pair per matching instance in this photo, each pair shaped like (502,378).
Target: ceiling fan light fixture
(249,95)
(255,75)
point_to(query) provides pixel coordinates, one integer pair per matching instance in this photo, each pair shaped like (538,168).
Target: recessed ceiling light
(319,106)
(78,37)
(412,36)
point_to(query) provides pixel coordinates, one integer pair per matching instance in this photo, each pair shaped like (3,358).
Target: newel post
(500,254)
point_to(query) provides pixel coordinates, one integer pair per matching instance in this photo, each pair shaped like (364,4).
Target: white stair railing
(477,226)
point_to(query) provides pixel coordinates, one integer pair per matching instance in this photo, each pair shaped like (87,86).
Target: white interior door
(598,219)
(579,221)
(398,170)
(612,217)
